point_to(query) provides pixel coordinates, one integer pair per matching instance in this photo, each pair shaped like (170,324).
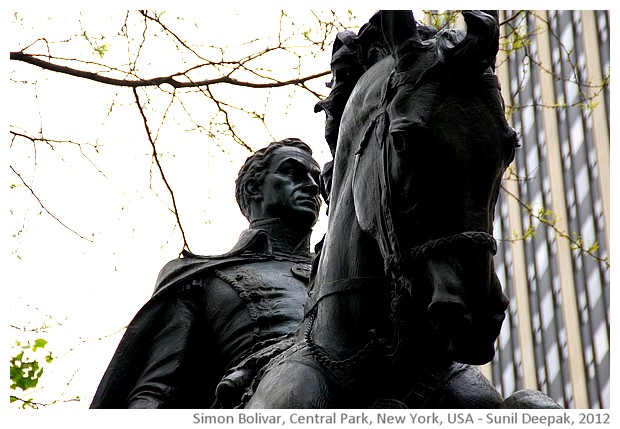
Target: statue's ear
(399,26)
(253,189)
(478,49)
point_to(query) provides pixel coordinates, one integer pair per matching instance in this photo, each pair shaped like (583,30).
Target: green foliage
(101,49)
(589,104)
(441,20)
(39,344)
(26,368)
(517,38)
(25,374)
(529,233)
(549,218)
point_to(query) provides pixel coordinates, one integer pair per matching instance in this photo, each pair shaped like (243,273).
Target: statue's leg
(296,382)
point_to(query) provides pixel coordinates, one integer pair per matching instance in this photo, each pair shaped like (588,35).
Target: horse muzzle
(467,311)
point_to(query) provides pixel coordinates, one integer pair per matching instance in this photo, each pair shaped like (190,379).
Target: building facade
(553,218)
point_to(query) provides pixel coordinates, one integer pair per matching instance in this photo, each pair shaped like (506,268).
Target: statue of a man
(212,321)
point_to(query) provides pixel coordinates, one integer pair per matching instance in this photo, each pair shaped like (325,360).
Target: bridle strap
(341,286)
(441,245)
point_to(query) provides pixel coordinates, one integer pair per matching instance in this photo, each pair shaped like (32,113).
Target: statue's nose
(310,184)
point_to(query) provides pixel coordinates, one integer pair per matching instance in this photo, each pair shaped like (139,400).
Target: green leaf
(101,49)
(38,344)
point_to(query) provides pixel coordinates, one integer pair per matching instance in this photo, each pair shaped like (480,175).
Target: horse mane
(353,54)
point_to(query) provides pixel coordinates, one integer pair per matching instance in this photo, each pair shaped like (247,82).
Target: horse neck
(355,293)
(350,266)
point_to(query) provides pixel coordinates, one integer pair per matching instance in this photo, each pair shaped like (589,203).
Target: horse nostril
(449,316)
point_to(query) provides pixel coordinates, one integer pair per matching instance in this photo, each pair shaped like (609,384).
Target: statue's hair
(255,167)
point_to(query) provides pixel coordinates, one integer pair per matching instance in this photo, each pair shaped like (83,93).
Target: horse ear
(493,13)
(479,47)
(398,28)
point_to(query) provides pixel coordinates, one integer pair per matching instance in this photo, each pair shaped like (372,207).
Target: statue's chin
(304,218)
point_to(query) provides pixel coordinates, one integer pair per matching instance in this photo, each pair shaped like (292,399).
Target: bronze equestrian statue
(403,298)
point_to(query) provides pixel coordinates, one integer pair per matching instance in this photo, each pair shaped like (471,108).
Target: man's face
(290,190)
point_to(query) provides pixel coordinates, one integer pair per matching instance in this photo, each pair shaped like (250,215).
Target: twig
(45,208)
(160,168)
(559,233)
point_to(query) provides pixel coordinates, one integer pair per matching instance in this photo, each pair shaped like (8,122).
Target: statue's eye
(399,140)
(406,133)
(291,172)
(289,169)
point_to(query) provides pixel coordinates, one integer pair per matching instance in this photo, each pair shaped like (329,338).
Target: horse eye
(399,140)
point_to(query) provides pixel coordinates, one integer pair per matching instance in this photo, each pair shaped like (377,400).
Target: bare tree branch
(44,140)
(157,81)
(45,208)
(509,19)
(175,211)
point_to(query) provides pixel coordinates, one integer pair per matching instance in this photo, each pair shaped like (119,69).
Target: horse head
(434,159)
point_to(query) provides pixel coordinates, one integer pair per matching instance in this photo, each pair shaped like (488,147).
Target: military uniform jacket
(206,315)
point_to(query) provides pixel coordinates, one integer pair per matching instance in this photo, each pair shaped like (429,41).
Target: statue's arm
(164,370)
